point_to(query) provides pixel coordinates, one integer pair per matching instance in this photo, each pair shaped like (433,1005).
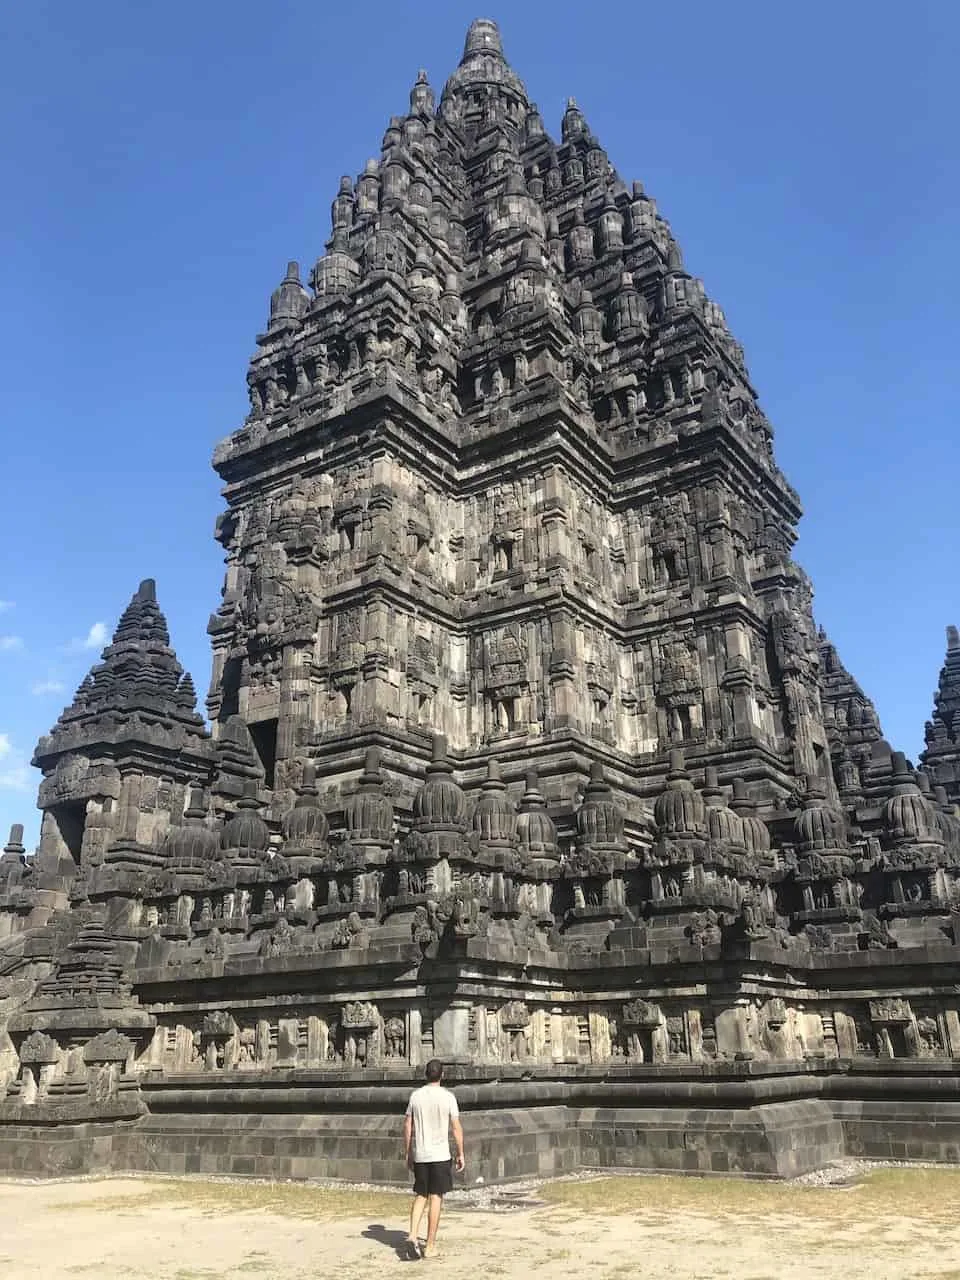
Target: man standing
(432,1114)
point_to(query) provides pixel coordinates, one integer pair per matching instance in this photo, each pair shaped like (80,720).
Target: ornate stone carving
(360,1014)
(109,1046)
(39,1050)
(394,1038)
(350,932)
(890,1011)
(640,1013)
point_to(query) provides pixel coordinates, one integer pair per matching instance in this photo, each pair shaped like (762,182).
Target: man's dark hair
(434,1070)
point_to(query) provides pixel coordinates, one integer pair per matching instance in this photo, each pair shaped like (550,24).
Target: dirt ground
(890,1223)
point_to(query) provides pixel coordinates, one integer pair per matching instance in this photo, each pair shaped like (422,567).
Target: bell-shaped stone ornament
(574,122)
(288,302)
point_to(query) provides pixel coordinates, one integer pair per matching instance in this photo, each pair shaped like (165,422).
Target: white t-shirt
(432,1108)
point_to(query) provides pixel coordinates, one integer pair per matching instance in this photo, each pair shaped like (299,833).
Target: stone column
(380,696)
(554,520)
(130,788)
(380,510)
(414,1038)
(562,674)
(294,701)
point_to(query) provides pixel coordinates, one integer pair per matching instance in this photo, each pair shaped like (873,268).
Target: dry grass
(930,1195)
(286,1200)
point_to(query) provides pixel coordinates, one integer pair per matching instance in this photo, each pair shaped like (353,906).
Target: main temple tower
(505,478)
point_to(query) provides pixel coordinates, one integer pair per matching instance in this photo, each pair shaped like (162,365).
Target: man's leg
(416,1214)
(434,1205)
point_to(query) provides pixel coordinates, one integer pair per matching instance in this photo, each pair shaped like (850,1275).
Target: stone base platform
(729,1119)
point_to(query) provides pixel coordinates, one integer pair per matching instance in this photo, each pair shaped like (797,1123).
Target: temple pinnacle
(483,37)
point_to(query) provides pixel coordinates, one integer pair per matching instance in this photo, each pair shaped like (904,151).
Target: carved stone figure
(394,1038)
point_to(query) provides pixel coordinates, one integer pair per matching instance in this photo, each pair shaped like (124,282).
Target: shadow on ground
(395,1240)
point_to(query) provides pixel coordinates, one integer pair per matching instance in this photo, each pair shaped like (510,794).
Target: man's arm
(456,1129)
(408,1139)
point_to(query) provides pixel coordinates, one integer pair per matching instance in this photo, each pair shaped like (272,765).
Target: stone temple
(524,749)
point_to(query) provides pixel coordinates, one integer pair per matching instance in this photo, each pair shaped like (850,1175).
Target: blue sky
(164,161)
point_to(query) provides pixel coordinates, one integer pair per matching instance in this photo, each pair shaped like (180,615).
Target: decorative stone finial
(422,101)
(483,37)
(574,121)
(741,795)
(305,826)
(14,848)
(196,803)
(533,124)
(909,815)
(246,833)
(756,836)
(900,769)
(711,786)
(368,813)
(535,827)
(494,818)
(628,312)
(818,827)
(290,300)
(440,800)
(16,838)
(191,847)
(679,809)
(599,818)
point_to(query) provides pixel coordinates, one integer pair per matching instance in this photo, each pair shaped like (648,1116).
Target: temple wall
(528,1139)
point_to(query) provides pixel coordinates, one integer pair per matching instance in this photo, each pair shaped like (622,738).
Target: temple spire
(138,672)
(941,757)
(484,89)
(142,619)
(482,37)
(851,719)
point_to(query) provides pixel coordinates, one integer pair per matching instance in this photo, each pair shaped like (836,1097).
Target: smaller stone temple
(522,748)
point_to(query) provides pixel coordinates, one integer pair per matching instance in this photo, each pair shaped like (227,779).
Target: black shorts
(433,1178)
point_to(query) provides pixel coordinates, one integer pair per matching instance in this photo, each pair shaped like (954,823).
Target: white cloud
(9,643)
(47,686)
(96,636)
(5,605)
(15,776)
(16,779)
